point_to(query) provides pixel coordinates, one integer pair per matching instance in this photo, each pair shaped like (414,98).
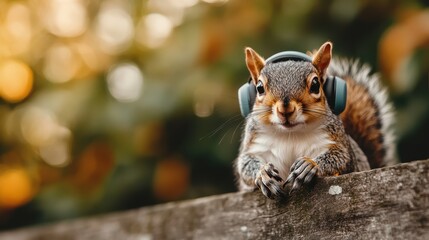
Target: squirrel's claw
(302,171)
(269,181)
(272,172)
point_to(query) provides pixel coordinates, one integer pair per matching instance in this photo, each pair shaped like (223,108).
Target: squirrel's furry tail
(368,117)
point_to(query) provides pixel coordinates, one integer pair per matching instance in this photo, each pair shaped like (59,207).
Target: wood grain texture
(388,203)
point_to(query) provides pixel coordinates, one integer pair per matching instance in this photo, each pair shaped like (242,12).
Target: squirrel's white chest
(283,150)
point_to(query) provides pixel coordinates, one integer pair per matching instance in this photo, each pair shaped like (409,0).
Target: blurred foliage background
(108,105)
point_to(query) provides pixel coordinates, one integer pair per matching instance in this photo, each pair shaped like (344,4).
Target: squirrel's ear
(322,57)
(254,63)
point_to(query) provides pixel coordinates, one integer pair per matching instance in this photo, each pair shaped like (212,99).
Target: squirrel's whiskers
(227,123)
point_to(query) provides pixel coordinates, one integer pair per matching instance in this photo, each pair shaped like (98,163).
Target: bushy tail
(368,117)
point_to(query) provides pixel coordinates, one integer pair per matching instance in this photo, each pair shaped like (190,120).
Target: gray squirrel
(291,136)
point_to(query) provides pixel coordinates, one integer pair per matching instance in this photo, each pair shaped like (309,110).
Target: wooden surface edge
(386,203)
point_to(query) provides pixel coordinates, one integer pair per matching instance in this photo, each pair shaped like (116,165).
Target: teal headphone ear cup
(246,98)
(335,90)
(340,95)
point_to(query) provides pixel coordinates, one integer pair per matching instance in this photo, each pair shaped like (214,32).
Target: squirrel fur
(291,136)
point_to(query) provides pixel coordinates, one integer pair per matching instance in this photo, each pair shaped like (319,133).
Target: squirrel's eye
(315,86)
(260,87)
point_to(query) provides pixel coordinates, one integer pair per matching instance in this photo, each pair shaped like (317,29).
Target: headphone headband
(288,55)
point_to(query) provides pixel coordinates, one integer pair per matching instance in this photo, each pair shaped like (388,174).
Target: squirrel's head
(290,93)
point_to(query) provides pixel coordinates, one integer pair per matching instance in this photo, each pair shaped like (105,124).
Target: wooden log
(388,203)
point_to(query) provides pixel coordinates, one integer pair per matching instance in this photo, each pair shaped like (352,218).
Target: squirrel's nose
(285,108)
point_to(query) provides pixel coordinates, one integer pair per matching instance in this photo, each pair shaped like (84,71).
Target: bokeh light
(215,1)
(16,80)
(171,178)
(60,56)
(93,165)
(16,188)
(65,18)
(56,154)
(182,3)
(41,129)
(203,102)
(17,30)
(38,126)
(153,30)
(398,47)
(114,28)
(174,10)
(125,82)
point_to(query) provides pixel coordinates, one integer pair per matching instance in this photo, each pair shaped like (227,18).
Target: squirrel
(292,136)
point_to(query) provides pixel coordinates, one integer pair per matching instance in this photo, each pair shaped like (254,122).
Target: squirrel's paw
(270,182)
(302,171)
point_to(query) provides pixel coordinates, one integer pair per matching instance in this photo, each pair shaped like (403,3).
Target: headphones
(335,88)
